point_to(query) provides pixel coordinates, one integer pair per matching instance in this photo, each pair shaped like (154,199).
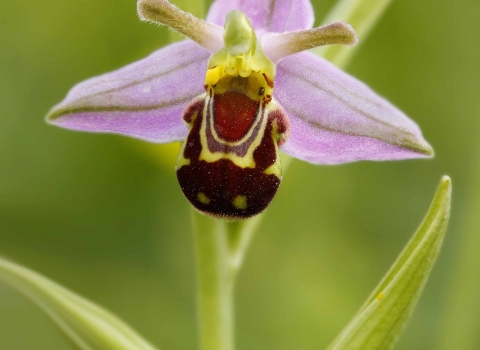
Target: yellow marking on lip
(246,161)
(181,160)
(203,198)
(240,202)
(275,168)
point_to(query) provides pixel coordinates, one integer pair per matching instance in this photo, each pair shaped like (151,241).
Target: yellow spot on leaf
(203,198)
(380,296)
(240,202)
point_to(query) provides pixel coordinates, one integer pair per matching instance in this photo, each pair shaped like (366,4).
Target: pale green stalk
(215,277)
(220,248)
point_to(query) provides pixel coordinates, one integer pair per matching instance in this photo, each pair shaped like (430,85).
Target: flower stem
(215,283)
(220,249)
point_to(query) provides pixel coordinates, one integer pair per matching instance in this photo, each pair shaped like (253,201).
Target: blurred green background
(104,216)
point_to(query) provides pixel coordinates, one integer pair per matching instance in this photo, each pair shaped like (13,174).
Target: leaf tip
(444,191)
(446,181)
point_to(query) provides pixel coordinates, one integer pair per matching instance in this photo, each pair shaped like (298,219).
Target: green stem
(215,284)
(220,249)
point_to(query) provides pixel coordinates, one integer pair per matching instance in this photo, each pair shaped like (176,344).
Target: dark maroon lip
(221,188)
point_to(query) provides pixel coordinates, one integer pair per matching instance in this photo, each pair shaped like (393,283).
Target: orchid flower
(246,87)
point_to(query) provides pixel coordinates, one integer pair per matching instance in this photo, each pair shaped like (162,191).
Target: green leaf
(88,325)
(362,15)
(381,320)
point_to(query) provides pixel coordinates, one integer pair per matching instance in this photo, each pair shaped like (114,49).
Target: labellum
(229,165)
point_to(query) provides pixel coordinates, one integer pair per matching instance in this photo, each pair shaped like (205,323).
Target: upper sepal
(336,119)
(142,100)
(266,15)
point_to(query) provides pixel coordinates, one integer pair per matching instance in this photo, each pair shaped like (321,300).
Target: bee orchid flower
(242,87)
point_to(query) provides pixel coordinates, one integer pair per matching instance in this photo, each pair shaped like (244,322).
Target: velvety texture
(267,15)
(144,99)
(335,118)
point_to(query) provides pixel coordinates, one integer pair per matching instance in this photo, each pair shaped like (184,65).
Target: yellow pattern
(203,198)
(240,202)
(247,160)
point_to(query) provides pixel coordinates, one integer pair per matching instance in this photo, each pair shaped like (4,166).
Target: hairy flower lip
(327,108)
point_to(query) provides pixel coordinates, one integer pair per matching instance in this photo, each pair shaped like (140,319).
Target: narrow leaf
(362,15)
(381,320)
(89,326)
